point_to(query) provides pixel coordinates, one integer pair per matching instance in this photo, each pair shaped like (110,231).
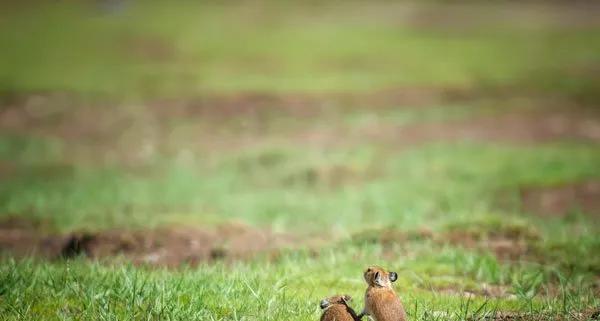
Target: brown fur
(381,301)
(336,308)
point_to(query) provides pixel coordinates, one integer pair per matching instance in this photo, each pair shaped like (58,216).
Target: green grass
(288,290)
(259,290)
(191,48)
(346,186)
(428,180)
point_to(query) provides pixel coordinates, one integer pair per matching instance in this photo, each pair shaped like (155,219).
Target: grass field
(196,161)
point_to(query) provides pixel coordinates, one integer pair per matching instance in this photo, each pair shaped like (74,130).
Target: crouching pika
(336,308)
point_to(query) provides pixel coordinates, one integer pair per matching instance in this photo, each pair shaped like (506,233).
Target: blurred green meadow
(454,144)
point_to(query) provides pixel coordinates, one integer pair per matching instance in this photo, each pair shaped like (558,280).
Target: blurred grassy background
(74,55)
(161,49)
(356,122)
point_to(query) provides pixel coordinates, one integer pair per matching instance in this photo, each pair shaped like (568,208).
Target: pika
(381,301)
(336,308)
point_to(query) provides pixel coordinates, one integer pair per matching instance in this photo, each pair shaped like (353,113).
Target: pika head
(377,276)
(335,299)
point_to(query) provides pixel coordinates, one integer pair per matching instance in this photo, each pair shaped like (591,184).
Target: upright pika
(381,301)
(336,308)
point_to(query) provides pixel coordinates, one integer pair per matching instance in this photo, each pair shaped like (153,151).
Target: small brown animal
(336,308)
(381,301)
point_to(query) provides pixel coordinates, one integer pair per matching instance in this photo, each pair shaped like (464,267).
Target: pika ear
(376,277)
(323,304)
(347,298)
(393,276)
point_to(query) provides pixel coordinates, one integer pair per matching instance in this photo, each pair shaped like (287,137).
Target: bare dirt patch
(98,129)
(538,125)
(164,247)
(261,107)
(462,18)
(560,200)
(75,115)
(18,235)
(61,115)
(506,242)
(522,126)
(219,106)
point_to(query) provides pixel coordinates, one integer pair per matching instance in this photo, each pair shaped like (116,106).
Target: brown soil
(520,126)
(97,125)
(98,130)
(62,115)
(507,243)
(537,125)
(560,200)
(234,105)
(163,247)
(470,17)
(88,117)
